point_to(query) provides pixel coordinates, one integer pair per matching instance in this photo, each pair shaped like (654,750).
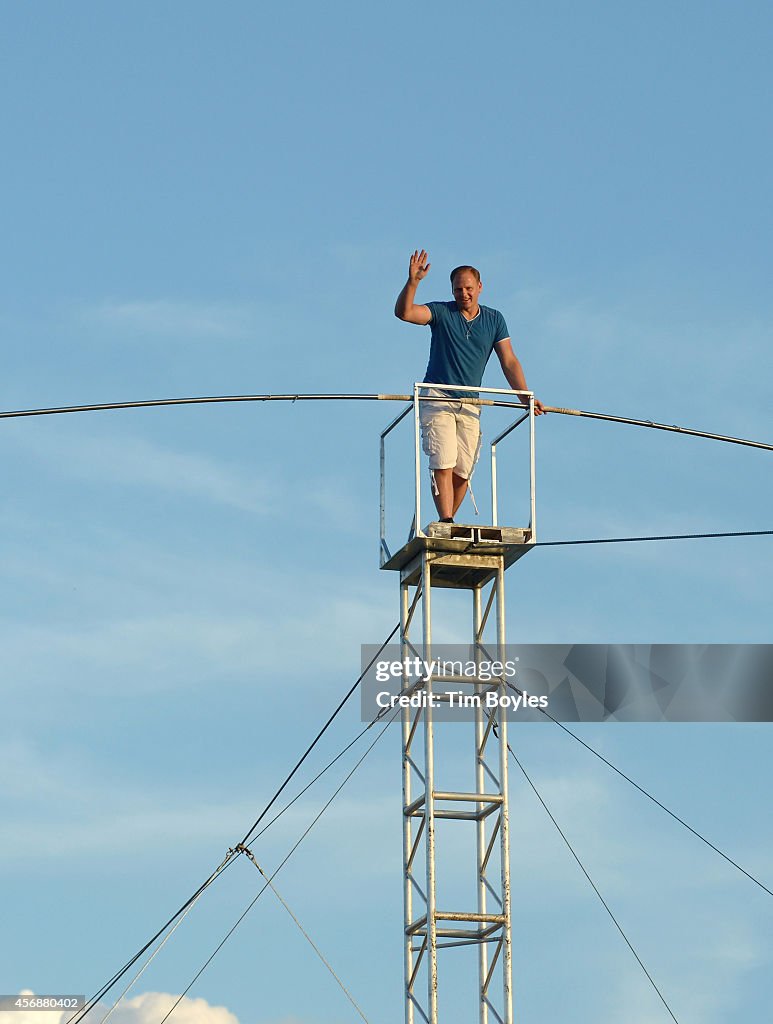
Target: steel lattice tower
(471,560)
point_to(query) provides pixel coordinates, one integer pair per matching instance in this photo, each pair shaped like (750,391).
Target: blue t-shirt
(453,357)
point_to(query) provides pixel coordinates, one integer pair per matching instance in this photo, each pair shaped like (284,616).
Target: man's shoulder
(495,322)
(441,307)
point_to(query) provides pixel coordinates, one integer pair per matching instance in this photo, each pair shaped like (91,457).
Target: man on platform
(464,334)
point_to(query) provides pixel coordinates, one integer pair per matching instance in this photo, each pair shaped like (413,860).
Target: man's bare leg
(460,489)
(443,492)
(448,492)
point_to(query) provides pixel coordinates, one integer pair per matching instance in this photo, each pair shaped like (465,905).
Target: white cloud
(152,1007)
(149,1008)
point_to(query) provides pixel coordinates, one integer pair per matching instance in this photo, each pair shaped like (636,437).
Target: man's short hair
(458,270)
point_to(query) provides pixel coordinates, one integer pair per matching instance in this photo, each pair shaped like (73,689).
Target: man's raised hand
(419,267)
(405,307)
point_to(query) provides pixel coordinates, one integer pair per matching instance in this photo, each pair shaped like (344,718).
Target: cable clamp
(241,848)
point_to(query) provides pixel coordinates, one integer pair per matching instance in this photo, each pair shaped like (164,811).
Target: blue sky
(221,199)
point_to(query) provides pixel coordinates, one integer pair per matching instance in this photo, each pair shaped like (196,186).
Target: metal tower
(471,560)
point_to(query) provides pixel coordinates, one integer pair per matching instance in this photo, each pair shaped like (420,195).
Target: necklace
(467,323)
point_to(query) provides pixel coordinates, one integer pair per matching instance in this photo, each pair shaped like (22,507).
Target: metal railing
(502,399)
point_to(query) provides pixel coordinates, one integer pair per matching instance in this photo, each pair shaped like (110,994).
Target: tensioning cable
(220,399)
(649,795)
(594,886)
(276,871)
(668,536)
(232,854)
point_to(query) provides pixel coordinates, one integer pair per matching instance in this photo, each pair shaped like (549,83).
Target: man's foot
(448,520)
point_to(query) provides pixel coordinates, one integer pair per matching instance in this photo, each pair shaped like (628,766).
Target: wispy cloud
(125,832)
(704,986)
(653,358)
(145,652)
(132,611)
(134,461)
(57,807)
(164,317)
(156,621)
(56,804)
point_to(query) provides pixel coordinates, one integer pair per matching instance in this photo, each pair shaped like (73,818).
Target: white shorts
(450,433)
